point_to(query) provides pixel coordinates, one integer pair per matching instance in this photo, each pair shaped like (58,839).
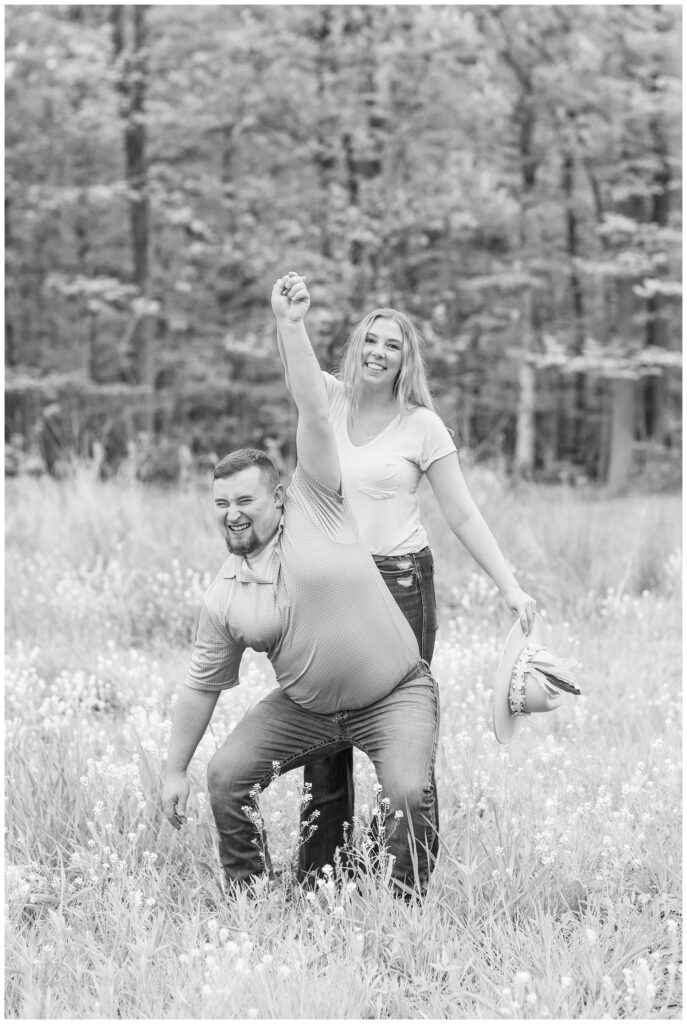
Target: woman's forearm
(304,377)
(480,542)
(467,523)
(282,354)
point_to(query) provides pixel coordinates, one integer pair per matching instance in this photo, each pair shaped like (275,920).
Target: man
(299,585)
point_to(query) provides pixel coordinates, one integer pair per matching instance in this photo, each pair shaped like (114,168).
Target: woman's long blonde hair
(410,387)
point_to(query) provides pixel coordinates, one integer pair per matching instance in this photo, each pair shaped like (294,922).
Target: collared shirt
(319,609)
(263,567)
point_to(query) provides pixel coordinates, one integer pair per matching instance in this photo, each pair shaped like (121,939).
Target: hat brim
(505,722)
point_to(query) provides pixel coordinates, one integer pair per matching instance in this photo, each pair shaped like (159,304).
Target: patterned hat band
(549,672)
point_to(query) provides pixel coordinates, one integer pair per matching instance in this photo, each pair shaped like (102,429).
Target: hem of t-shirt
(435,458)
(209,687)
(417,546)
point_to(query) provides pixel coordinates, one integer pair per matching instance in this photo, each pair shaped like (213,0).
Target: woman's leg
(332,792)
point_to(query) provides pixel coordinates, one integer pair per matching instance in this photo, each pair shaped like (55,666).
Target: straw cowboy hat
(529,679)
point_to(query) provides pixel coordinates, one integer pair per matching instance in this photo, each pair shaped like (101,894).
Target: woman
(389,437)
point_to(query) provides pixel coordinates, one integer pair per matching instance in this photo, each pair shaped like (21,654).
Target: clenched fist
(290,298)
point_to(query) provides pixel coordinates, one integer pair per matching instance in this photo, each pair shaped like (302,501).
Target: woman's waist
(403,560)
(388,527)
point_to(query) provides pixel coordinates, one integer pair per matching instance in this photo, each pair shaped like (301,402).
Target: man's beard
(243,544)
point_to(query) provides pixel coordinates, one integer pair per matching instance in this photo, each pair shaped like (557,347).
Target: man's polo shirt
(322,612)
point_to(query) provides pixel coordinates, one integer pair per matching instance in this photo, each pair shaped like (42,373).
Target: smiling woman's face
(382,353)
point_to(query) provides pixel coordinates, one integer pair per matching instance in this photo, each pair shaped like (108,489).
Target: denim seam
(283,765)
(437,707)
(425,629)
(424,610)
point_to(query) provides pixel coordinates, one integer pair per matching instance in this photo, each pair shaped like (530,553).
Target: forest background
(509,176)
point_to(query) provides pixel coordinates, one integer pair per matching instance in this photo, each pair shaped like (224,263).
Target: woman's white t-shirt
(381,478)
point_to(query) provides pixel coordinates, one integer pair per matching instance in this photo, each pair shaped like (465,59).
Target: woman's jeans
(399,735)
(410,578)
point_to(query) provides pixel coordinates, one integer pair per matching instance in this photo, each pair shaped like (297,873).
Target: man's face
(247,510)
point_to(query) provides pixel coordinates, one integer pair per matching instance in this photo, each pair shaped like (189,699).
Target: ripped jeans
(410,578)
(398,733)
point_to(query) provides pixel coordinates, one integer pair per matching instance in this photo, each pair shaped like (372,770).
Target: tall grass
(557,892)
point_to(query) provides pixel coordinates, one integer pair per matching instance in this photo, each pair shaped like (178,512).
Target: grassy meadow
(557,893)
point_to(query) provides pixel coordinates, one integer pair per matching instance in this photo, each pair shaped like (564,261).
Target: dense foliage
(509,176)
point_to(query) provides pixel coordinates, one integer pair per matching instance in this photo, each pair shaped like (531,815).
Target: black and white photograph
(343,511)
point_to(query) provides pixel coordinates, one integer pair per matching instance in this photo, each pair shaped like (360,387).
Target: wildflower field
(557,892)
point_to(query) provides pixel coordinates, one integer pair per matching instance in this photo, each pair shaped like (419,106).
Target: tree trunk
(324,156)
(132,82)
(550,427)
(576,293)
(657,321)
(622,427)
(571,238)
(11,356)
(657,325)
(228,149)
(524,117)
(622,394)
(364,160)
(525,427)
(655,407)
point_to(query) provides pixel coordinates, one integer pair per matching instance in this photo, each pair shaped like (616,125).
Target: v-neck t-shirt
(319,608)
(381,478)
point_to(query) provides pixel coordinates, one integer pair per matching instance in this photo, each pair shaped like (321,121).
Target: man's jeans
(398,734)
(410,578)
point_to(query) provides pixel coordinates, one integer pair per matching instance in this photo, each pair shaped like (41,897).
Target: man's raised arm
(315,444)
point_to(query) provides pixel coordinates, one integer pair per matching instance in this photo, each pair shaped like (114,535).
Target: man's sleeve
(326,508)
(216,656)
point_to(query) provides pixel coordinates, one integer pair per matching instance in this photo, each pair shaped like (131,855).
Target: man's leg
(399,734)
(276,729)
(332,791)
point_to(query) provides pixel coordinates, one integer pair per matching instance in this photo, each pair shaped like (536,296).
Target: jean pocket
(405,576)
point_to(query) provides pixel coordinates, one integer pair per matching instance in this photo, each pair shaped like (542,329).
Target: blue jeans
(398,734)
(410,578)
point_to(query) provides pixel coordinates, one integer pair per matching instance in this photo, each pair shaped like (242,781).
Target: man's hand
(522,605)
(175,794)
(290,298)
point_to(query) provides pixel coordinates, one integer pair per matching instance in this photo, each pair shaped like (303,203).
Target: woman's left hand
(522,605)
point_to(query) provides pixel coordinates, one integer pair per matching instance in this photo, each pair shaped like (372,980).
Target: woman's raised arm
(315,444)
